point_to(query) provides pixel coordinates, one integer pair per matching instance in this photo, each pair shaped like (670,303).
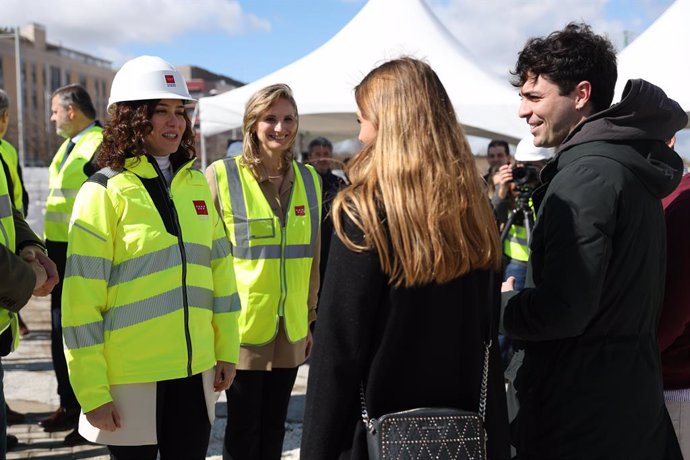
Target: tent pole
(203,152)
(195,116)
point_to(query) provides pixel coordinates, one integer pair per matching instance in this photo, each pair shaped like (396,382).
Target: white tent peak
(658,55)
(323,81)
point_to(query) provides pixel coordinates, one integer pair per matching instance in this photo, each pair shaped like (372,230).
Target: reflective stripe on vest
(144,310)
(9,155)
(6,220)
(94,267)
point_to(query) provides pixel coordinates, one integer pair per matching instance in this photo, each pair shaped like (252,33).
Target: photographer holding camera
(513,205)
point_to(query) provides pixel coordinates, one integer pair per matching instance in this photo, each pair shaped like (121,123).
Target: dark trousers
(257,409)
(182,426)
(58,253)
(3,417)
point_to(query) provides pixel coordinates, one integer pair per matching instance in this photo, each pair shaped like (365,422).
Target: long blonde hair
(258,103)
(416,192)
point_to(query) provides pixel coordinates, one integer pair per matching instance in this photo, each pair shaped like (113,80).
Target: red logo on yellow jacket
(200,207)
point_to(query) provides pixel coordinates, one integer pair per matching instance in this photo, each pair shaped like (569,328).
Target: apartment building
(45,67)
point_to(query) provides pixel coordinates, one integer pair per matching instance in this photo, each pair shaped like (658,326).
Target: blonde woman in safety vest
(150,311)
(271,207)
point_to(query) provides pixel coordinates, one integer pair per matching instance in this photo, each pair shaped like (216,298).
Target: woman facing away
(271,207)
(150,306)
(410,275)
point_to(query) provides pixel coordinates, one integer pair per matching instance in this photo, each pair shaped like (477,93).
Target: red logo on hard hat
(200,207)
(299,210)
(170,80)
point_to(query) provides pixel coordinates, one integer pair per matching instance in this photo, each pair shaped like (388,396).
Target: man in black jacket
(590,383)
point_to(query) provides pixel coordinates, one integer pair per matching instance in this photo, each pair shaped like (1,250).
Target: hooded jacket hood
(645,119)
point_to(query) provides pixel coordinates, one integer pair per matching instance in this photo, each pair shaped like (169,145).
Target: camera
(525,175)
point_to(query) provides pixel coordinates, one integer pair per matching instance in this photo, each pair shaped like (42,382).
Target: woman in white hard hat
(150,307)
(271,208)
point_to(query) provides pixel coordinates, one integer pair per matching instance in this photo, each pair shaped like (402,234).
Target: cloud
(89,25)
(494,32)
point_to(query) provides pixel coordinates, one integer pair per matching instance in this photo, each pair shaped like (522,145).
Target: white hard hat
(147,77)
(527,151)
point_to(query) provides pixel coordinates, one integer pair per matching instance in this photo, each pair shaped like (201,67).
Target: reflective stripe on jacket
(8,239)
(10,157)
(64,183)
(272,262)
(149,289)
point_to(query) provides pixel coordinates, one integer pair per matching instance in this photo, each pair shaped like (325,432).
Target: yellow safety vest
(272,262)
(9,155)
(64,183)
(149,290)
(8,239)
(516,245)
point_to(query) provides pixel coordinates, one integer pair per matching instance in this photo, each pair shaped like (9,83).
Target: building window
(2,74)
(34,86)
(82,80)
(24,88)
(55,80)
(68,77)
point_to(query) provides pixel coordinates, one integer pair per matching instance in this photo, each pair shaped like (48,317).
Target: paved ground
(30,388)
(30,385)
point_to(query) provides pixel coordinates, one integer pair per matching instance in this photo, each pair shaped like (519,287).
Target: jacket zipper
(183,256)
(283,244)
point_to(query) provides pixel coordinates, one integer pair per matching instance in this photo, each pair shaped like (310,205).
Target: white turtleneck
(166,168)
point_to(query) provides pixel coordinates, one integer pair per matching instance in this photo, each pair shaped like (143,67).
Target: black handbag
(439,433)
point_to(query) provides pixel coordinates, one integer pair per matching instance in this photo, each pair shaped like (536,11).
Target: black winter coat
(415,347)
(590,385)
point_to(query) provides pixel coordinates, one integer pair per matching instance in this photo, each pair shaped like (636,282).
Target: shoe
(62,420)
(14,417)
(74,439)
(12,441)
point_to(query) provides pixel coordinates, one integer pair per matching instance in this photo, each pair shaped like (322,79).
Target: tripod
(522,209)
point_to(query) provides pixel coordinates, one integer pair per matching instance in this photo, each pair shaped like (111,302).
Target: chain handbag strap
(485,381)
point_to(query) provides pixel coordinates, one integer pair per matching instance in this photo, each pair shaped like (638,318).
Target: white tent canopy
(323,81)
(658,55)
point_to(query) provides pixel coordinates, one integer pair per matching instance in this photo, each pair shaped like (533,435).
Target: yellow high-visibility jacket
(8,239)
(64,183)
(272,262)
(149,290)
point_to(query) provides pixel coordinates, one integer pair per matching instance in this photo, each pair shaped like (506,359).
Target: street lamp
(20,100)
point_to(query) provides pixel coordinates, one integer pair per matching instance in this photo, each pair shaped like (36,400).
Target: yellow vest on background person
(149,281)
(64,183)
(10,157)
(516,245)
(272,262)
(7,238)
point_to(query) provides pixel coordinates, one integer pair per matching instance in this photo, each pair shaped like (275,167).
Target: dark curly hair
(130,123)
(567,57)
